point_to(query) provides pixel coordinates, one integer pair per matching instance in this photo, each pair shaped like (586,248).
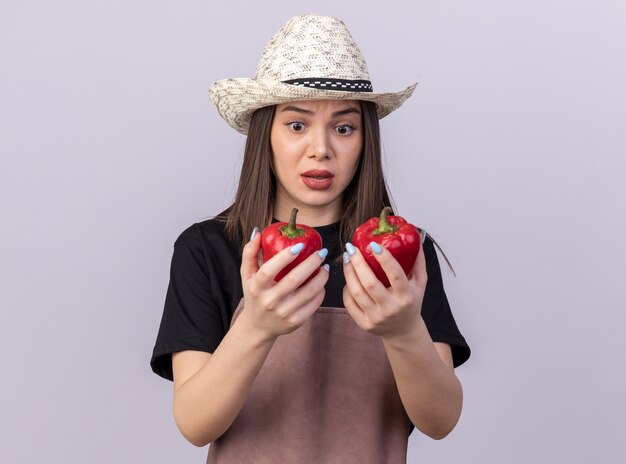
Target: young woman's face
(316,147)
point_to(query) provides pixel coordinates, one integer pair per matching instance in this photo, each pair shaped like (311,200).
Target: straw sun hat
(310,58)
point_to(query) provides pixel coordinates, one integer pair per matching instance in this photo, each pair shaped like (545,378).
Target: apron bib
(325,394)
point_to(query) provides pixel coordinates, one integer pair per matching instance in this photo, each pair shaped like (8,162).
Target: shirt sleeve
(436,310)
(191,317)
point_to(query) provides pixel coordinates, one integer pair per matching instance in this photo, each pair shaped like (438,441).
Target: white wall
(511,153)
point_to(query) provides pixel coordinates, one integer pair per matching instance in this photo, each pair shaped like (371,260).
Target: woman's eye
(296,126)
(344,129)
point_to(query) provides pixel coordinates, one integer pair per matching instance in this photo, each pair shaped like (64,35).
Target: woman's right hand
(277,308)
(270,310)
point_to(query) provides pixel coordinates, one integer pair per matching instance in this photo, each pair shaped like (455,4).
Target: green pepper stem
(290,230)
(383,224)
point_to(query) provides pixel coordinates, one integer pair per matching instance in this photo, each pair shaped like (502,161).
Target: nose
(319,144)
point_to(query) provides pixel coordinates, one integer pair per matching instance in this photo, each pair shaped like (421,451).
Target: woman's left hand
(388,312)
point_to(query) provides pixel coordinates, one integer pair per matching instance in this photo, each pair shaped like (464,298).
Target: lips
(317,179)
(319,173)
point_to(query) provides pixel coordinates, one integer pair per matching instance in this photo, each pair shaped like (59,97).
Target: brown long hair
(365,196)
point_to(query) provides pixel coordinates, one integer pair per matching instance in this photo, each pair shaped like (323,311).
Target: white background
(511,153)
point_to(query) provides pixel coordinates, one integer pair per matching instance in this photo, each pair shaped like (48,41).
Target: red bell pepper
(281,235)
(394,233)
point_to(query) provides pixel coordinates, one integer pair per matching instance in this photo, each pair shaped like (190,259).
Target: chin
(315,200)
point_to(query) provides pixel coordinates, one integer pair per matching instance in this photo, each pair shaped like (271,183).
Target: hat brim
(237,99)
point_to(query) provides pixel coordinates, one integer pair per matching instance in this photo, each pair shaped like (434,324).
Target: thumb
(249,257)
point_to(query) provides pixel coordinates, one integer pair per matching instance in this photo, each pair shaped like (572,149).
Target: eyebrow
(336,113)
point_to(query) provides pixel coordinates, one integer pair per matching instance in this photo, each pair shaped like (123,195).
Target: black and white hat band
(355,85)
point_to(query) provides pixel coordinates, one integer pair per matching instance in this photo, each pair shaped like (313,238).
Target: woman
(338,369)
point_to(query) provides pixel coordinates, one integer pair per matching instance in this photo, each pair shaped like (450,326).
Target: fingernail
(327,267)
(376,248)
(323,253)
(297,248)
(254,231)
(423,236)
(350,248)
(346,258)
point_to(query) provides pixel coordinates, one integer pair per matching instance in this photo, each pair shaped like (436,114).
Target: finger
(391,266)
(353,309)
(308,298)
(303,313)
(271,267)
(374,288)
(299,274)
(249,256)
(353,283)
